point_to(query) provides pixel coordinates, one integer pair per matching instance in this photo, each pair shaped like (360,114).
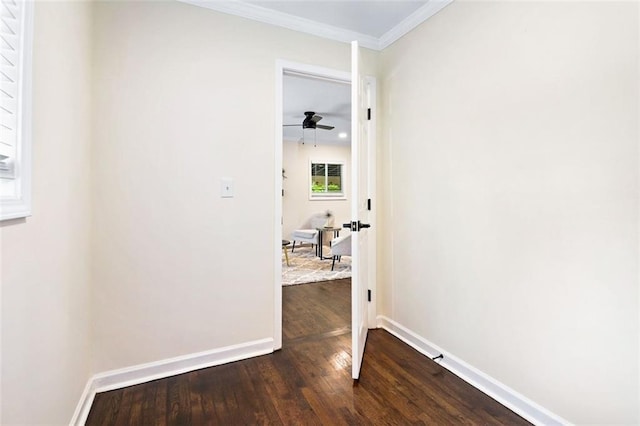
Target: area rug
(306,267)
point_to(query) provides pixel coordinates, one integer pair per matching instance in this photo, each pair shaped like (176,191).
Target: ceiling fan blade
(320,126)
(316,118)
(290,125)
(333,114)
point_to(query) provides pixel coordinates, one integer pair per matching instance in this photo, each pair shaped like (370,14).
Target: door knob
(356,226)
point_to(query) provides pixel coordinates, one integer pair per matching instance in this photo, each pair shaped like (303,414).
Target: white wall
(185,96)
(296,205)
(512,129)
(45,258)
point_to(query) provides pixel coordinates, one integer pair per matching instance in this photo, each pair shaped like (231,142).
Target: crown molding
(296,23)
(285,20)
(410,22)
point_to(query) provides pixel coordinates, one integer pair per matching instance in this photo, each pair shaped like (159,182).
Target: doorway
(308,138)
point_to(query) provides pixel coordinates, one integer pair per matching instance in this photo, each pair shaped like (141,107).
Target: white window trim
(314,196)
(17,204)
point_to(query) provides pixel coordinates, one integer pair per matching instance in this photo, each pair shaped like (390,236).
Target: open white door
(360,98)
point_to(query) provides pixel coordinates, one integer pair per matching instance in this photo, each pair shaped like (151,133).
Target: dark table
(321,231)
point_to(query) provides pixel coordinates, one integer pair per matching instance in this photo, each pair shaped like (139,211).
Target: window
(16,22)
(327,180)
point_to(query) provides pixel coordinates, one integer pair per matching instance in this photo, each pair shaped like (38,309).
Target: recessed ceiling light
(342,135)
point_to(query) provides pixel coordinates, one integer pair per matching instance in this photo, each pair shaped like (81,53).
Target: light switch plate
(226,188)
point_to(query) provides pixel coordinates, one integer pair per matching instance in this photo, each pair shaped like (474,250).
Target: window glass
(327,179)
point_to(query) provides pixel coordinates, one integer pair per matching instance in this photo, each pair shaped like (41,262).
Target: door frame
(282,67)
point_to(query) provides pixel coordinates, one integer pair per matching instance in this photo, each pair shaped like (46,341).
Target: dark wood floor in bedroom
(309,380)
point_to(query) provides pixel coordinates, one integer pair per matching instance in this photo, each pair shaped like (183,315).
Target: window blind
(16,33)
(11,56)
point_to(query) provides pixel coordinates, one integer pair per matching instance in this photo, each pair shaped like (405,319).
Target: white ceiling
(376,24)
(328,99)
(373,18)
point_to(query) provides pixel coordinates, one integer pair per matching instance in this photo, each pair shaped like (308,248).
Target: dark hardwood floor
(309,380)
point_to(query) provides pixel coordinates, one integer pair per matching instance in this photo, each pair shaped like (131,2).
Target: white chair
(340,246)
(308,232)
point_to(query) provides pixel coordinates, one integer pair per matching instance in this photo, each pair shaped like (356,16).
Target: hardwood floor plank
(106,411)
(309,381)
(178,400)
(137,401)
(158,406)
(124,408)
(147,412)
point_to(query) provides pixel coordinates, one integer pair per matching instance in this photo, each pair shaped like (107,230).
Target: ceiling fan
(311,122)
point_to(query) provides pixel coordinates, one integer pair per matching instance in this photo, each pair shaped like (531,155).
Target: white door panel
(360,97)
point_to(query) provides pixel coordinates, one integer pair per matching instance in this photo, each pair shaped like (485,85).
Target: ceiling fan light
(342,135)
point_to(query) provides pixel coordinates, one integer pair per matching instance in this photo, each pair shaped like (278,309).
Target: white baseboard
(116,379)
(84,405)
(506,396)
(142,373)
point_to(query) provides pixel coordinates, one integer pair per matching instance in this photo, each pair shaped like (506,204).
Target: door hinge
(368,113)
(369,204)
(369,295)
